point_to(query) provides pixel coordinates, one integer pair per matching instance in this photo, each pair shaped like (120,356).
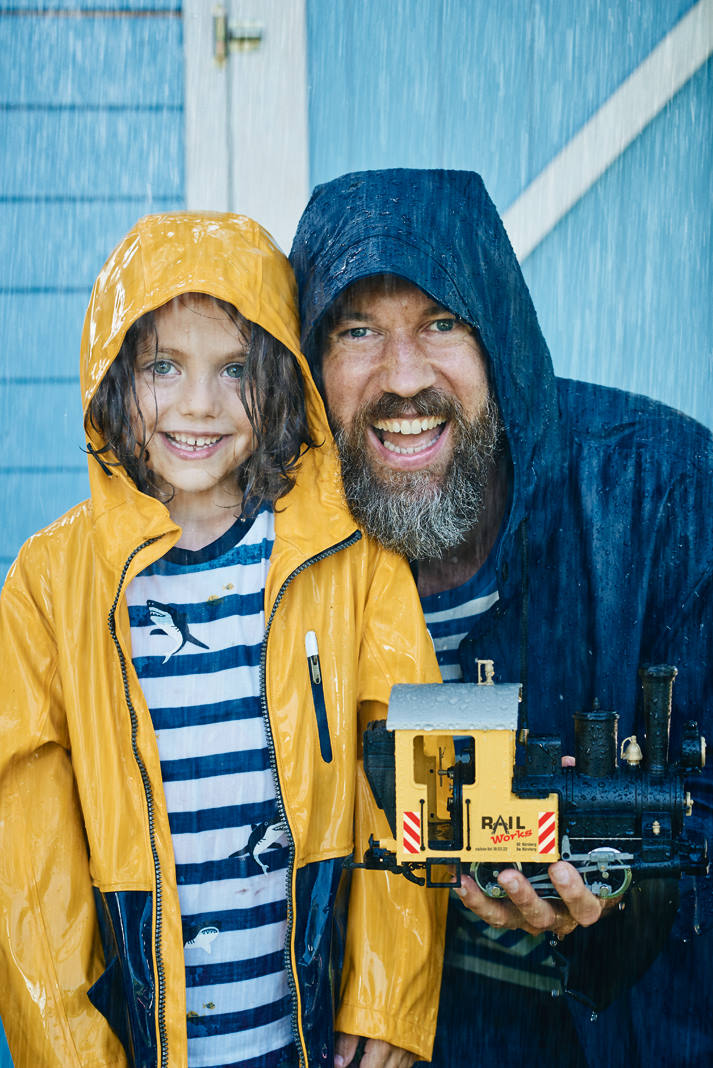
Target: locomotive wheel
(486,877)
(604,873)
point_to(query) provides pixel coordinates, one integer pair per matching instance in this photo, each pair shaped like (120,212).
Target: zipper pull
(313,657)
(320,709)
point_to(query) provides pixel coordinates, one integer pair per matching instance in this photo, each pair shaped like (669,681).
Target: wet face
(389,347)
(187,377)
(407,391)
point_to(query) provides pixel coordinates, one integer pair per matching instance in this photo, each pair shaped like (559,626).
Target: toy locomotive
(459,791)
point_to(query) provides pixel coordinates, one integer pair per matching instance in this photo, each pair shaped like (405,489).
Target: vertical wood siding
(91,138)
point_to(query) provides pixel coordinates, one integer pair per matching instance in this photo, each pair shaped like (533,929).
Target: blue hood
(441,231)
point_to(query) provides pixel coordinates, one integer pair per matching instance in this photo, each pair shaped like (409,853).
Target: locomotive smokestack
(657,681)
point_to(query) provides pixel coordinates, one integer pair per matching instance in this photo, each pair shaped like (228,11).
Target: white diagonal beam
(611,129)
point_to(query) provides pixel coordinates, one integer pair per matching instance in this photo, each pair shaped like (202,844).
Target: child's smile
(192,442)
(192,445)
(188,389)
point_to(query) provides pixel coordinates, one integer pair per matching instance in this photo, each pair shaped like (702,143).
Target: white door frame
(247,147)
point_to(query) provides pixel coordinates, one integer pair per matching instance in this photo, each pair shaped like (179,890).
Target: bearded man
(558,528)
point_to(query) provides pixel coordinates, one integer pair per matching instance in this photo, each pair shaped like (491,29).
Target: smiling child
(189,659)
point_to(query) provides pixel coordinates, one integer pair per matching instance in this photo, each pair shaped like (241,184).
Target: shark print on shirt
(171,621)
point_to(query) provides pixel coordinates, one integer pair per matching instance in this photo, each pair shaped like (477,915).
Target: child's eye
(162,367)
(234,370)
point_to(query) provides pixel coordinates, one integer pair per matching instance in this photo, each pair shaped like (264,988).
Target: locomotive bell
(631,751)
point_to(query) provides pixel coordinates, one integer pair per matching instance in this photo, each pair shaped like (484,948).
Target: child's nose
(199,396)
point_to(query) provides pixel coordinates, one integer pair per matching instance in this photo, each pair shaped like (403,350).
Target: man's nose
(405,368)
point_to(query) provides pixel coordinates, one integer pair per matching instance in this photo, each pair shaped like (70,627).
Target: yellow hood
(224,255)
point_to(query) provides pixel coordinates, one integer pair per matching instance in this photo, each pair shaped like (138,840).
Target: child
(188,661)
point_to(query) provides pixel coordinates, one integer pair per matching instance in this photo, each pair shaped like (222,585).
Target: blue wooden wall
(91,138)
(622,285)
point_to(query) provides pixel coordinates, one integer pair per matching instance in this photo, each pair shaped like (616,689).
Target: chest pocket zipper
(320,709)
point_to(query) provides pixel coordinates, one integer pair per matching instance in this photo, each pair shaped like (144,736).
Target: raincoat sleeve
(395,932)
(678,631)
(49,942)
(679,615)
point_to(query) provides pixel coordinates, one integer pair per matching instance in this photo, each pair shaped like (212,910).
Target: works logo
(505,829)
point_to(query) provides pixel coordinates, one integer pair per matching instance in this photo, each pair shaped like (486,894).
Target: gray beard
(420,514)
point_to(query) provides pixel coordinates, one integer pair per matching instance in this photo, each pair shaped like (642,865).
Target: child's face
(187,384)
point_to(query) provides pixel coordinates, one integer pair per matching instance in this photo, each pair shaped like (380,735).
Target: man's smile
(410,443)
(411,435)
(409,426)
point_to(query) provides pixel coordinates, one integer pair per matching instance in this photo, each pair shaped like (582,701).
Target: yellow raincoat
(88,893)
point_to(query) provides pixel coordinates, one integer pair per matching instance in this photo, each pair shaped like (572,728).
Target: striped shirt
(450,615)
(473,946)
(197,625)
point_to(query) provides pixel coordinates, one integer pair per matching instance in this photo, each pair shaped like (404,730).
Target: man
(558,528)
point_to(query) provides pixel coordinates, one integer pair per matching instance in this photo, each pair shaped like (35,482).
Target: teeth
(407,452)
(409,426)
(194,442)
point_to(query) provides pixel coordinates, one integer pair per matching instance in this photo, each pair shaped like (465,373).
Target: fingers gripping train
(523,909)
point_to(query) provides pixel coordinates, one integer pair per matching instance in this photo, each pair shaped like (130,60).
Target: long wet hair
(272,393)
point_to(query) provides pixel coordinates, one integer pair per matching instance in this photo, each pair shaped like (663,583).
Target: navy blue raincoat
(606,556)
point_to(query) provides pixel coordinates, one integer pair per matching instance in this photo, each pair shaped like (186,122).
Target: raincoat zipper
(292,980)
(148,792)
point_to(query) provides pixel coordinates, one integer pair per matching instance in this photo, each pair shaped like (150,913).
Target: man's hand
(526,911)
(377,1054)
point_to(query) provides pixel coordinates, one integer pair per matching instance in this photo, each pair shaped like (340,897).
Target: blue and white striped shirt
(473,946)
(450,615)
(197,625)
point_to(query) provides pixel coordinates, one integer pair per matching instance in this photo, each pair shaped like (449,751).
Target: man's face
(406,386)
(388,345)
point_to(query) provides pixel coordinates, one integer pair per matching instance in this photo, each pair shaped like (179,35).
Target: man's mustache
(429,401)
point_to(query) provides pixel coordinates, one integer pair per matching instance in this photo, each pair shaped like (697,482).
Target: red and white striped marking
(412,832)
(546,832)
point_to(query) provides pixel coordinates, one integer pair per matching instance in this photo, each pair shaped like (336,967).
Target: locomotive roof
(454,707)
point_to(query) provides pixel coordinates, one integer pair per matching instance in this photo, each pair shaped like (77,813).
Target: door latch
(235,37)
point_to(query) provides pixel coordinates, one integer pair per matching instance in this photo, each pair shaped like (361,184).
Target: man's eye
(356,332)
(442,326)
(234,370)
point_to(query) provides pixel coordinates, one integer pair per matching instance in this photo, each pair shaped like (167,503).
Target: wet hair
(272,393)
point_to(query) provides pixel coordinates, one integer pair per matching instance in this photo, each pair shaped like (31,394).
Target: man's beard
(420,514)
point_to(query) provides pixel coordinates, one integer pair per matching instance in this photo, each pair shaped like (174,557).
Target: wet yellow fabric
(73,807)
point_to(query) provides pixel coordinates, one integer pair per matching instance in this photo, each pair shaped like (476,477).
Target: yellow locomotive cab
(454,777)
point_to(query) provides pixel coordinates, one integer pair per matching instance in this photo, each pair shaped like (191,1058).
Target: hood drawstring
(91,451)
